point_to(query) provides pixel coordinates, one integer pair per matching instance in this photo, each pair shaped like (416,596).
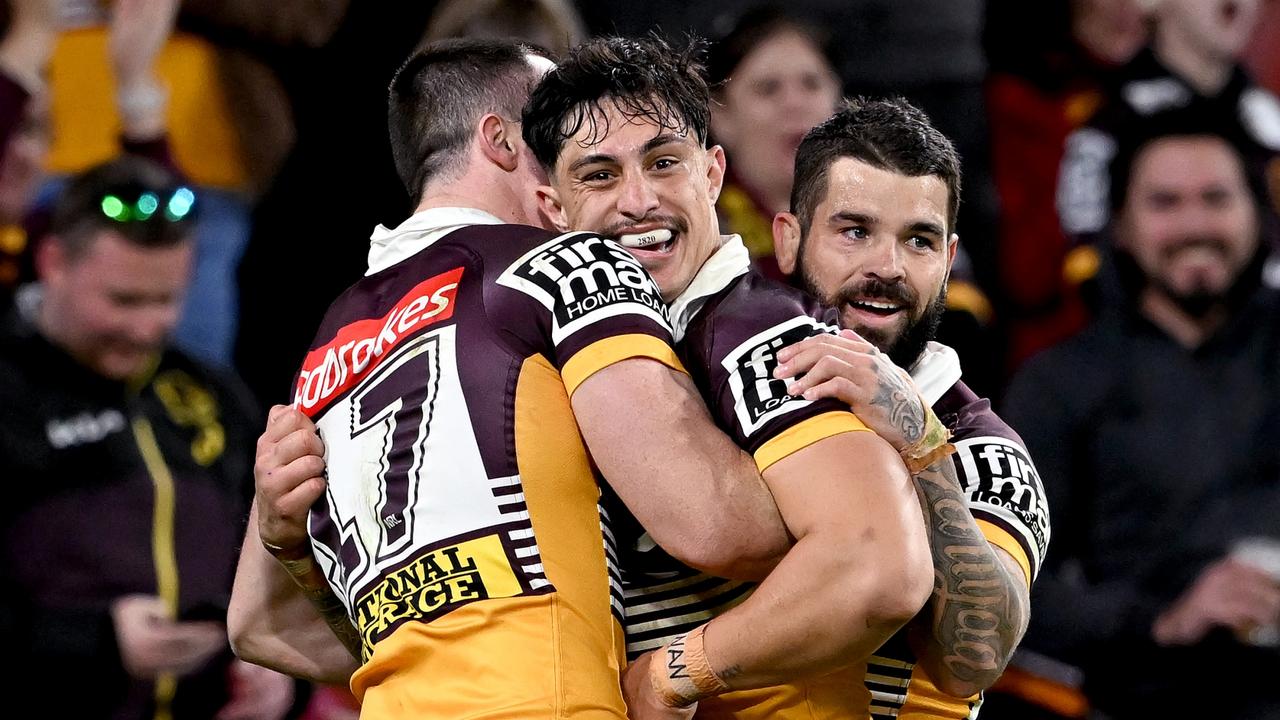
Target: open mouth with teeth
(880,308)
(659,241)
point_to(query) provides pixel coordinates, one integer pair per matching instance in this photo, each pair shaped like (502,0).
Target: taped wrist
(933,445)
(680,673)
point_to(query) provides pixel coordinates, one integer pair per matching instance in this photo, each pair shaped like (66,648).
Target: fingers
(846,340)
(803,359)
(284,419)
(275,458)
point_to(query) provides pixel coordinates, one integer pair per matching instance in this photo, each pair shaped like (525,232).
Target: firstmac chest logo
(581,279)
(758,396)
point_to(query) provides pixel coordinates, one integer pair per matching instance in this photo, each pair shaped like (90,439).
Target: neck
(1189,331)
(489,194)
(1204,71)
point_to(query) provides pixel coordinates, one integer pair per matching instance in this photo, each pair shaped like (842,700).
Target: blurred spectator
(551,24)
(1154,431)
(227,121)
(130,470)
(1051,66)
(773,81)
(1192,64)
(136,31)
(30,29)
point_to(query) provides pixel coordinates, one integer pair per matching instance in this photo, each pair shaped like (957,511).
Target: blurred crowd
(181,181)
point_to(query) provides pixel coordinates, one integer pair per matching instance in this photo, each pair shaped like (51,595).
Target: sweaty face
(1189,220)
(877,249)
(779,92)
(1219,27)
(639,177)
(113,307)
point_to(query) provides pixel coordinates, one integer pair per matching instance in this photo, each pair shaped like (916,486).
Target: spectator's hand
(643,702)
(257,694)
(151,642)
(1226,594)
(288,477)
(139,29)
(852,370)
(28,43)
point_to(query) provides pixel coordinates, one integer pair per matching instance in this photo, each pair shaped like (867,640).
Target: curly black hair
(645,79)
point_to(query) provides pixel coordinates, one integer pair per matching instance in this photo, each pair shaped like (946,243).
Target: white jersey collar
(725,265)
(388,246)
(935,371)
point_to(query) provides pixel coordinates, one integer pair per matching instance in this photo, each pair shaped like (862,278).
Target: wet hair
(890,134)
(441,91)
(646,79)
(142,201)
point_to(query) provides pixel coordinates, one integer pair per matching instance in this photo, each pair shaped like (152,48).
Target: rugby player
(457,544)
(620,126)
(871,233)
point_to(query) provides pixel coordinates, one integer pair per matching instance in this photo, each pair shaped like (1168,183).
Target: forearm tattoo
(310,579)
(978,606)
(901,403)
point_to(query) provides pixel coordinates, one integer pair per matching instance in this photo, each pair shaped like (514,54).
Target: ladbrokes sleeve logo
(1000,480)
(332,369)
(583,279)
(757,395)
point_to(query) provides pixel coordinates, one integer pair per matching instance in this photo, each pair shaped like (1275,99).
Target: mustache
(872,289)
(672,222)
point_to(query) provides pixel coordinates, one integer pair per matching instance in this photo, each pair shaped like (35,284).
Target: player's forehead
(855,187)
(621,128)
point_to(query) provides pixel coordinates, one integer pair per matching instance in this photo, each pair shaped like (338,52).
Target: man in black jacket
(1155,433)
(127,468)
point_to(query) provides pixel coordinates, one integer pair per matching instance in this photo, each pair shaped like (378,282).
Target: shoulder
(756,315)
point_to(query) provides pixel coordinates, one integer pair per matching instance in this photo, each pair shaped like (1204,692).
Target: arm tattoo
(979,608)
(313,584)
(900,401)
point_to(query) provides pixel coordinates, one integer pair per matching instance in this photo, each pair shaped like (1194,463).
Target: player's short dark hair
(142,201)
(441,91)
(645,78)
(890,134)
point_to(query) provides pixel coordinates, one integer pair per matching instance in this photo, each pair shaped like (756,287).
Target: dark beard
(905,348)
(1197,303)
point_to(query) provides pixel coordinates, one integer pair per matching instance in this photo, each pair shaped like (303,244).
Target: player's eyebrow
(591,160)
(927,228)
(660,140)
(849,216)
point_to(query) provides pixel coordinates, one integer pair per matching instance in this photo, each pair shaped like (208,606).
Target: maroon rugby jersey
(461,523)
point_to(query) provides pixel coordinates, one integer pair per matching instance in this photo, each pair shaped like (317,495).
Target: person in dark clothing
(1191,65)
(1154,434)
(128,470)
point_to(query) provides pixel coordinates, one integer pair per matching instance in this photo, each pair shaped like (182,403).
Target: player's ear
(550,205)
(498,141)
(715,171)
(786,241)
